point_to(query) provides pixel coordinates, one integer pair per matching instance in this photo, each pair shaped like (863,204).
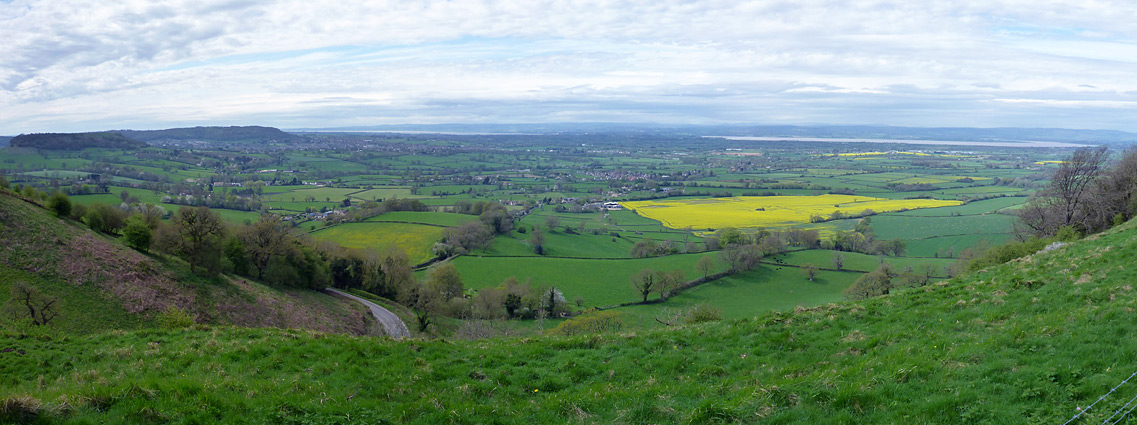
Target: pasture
(416,239)
(599,282)
(752,293)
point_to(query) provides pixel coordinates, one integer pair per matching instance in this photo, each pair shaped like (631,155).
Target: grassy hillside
(102,285)
(1026,342)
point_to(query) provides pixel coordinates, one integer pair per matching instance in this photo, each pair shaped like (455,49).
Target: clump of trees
(886,278)
(1086,193)
(647,282)
(464,239)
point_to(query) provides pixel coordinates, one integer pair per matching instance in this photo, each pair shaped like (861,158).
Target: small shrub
(19,409)
(175,318)
(594,321)
(59,204)
(137,234)
(702,313)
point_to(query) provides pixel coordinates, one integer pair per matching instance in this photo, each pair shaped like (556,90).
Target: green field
(753,293)
(416,239)
(425,217)
(914,227)
(599,282)
(860,262)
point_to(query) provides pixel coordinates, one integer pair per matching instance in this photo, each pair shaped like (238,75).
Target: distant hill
(213,134)
(75,141)
(4,140)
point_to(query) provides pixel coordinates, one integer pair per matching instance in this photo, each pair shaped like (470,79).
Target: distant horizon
(410,127)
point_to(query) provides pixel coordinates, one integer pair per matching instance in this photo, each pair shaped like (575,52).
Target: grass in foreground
(1025,342)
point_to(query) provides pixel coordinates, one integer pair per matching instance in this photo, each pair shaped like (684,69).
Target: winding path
(394,326)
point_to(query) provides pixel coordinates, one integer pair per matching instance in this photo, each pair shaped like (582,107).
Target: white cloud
(74,65)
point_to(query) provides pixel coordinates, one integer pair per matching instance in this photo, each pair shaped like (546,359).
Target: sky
(94,65)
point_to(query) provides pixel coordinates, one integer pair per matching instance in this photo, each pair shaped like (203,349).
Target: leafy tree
(267,238)
(497,217)
(199,232)
(237,256)
(59,204)
(730,236)
(137,233)
(512,304)
(104,218)
(446,281)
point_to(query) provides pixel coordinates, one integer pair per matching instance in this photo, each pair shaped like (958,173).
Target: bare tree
(666,282)
(705,265)
(741,257)
(551,222)
(669,316)
(28,302)
(838,261)
(1066,201)
(809,270)
(875,283)
(644,282)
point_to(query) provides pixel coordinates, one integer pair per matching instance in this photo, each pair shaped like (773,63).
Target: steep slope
(103,285)
(1026,342)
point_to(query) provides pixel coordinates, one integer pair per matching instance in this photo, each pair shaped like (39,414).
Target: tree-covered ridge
(76,141)
(219,134)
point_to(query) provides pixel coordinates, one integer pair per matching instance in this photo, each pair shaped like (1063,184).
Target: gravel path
(391,323)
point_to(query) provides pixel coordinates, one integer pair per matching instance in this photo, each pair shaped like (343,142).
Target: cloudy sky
(90,65)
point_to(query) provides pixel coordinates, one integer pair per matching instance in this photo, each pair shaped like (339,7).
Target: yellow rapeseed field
(855,154)
(767,211)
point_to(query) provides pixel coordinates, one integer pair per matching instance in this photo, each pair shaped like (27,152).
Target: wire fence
(1130,405)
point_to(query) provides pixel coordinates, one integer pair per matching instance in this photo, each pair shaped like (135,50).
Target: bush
(175,318)
(1012,250)
(591,322)
(59,204)
(137,234)
(702,313)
